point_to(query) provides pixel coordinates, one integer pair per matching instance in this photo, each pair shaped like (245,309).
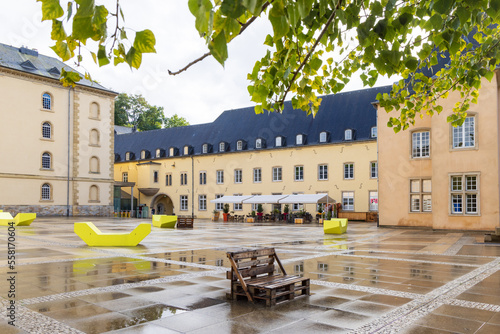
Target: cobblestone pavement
(369,280)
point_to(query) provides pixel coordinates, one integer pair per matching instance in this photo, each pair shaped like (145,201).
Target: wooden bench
(184,222)
(253,276)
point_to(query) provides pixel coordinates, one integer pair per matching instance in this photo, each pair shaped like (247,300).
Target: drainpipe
(192,187)
(69,150)
(378,174)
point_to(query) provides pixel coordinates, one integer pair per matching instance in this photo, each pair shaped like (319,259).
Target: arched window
(143,154)
(373,132)
(46,130)
(127,156)
(158,152)
(46,192)
(322,137)
(204,148)
(94,193)
(348,134)
(258,143)
(47,101)
(94,110)
(278,142)
(94,165)
(221,147)
(94,137)
(239,145)
(299,140)
(186,150)
(46,160)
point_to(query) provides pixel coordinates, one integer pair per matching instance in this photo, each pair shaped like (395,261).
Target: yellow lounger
(24,219)
(5,218)
(92,236)
(164,221)
(335,226)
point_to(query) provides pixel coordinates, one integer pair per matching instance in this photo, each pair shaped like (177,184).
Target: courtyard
(369,280)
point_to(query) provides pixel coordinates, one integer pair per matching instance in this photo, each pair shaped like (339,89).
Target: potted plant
(260,211)
(252,218)
(286,210)
(321,213)
(225,211)
(215,215)
(277,214)
(300,219)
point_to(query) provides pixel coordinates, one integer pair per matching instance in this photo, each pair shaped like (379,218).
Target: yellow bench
(21,219)
(92,236)
(164,221)
(335,226)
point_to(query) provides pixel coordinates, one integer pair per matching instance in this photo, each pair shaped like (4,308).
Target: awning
(265,199)
(230,199)
(307,198)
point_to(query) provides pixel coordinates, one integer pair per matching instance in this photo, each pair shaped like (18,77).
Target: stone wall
(60,210)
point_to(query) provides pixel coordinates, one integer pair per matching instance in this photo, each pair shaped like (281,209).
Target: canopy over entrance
(263,199)
(307,198)
(231,199)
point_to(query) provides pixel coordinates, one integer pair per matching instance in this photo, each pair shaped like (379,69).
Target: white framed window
(420,144)
(374,169)
(46,130)
(155,176)
(237,206)
(373,132)
(464,136)
(238,175)
(348,134)
(297,206)
(420,195)
(349,171)
(278,142)
(46,192)
(299,173)
(158,153)
(127,156)
(143,154)
(46,160)
(168,180)
(204,148)
(186,150)
(322,172)
(348,200)
(47,101)
(464,194)
(277,174)
(322,266)
(299,139)
(202,202)
(222,147)
(220,177)
(373,198)
(322,137)
(203,177)
(258,143)
(172,151)
(257,175)
(219,206)
(239,145)
(125,177)
(184,179)
(184,203)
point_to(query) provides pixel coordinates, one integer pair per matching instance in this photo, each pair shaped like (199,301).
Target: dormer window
(127,156)
(222,147)
(322,137)
(278,142)
(171,152)
(186,150)
(239,145)
(373,133)
(204,148)
(348,134)
(158,153)
(143,154)
(299,140)
(258,143)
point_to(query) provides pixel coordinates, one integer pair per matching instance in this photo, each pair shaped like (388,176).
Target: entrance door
(160,209)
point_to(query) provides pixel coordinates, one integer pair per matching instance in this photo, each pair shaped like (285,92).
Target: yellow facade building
(180,170)
(57,142)
(443,177)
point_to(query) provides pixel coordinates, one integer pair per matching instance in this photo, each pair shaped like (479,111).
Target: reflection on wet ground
(174,281)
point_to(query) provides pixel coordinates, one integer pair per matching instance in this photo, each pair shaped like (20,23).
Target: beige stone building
(442,177)
(181,169)
(56,143)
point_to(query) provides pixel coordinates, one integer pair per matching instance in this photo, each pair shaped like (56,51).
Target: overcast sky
(200,95)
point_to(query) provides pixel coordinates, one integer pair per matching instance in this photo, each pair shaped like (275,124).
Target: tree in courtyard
(317,45)
(134,110)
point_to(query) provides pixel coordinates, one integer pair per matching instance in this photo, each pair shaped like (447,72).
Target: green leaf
(133,58)
(145,41)
(232,8)
(69,78)
(489,75)
(82,22)
(218,47)
(443,6)
(278,20)
(58,33)
(101,56)
(70,10)
(51,9)
(254,6)
(100,16)
(94,56)
(62,51)
(316,63)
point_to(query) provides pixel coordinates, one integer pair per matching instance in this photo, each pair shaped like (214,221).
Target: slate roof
(30,61)
(349,110)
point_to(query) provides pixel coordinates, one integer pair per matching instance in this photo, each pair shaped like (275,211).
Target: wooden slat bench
(253,276)
(185,222)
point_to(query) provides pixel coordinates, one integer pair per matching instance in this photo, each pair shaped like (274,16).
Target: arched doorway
(162,204)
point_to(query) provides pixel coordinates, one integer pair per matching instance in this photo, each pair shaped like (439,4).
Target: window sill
(46,169)
(47,139)
(91,201)
(95,173)
(94,145)
(95,118)
(461,215)
(46,201)
(322,179)
(459,149)
(47,110)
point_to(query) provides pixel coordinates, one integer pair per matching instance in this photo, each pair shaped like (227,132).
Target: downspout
(378,169)
(69,150)
(192,187)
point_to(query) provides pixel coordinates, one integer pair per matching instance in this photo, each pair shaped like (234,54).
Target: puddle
(153,312)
